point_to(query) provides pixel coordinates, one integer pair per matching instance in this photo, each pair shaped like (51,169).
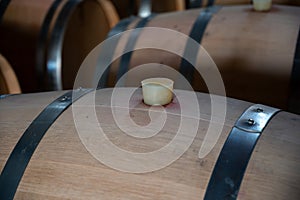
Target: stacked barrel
(40,37)
(88,47)
(257,63)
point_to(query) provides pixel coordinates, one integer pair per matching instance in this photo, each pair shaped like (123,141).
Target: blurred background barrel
(254,51)
(126,8)
(49,39)
(9,83)
(203,3)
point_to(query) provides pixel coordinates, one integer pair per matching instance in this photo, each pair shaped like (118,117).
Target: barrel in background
(18,35)
(253,57)
(42,36)
(126,8)
(204,3)
(9,83)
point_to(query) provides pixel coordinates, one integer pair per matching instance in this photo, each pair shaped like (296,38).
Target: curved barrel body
(62,168)
(253,51)
(9,83)
(126,8)
(202,3)
(48,40)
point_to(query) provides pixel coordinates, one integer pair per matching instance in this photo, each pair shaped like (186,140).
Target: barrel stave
(62,168)
(273,171)
(254,60)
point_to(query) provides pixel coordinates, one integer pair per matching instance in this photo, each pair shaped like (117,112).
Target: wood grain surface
(9,83)
(21,25)
(62,168)
(253,51)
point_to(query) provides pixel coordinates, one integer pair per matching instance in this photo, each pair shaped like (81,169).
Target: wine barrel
(52,34)
(126,8)
(255,61)
(9,83)
(203,3)
(62,168)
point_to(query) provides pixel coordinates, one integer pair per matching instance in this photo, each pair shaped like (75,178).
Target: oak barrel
(126,8)
(62,168)
(9,83)
(253,51)
(203,3)
(47,40)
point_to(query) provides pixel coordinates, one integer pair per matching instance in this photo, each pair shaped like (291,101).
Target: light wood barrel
(47,40)
(9,83)
(203,3)
(255,61)
(126,8)
(62,168)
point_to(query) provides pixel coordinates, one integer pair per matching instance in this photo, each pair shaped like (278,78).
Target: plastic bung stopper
(262,5)
(157,91)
